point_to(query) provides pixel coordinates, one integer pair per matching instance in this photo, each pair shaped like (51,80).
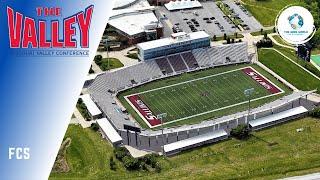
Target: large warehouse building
(178,42)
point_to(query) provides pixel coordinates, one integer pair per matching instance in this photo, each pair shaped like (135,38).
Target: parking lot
(249,23)
(208,18)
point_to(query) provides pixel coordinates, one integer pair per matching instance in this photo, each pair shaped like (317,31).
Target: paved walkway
(81,120)
(314,176)
(96,68)
(121,55)
(277,43)
(136,152)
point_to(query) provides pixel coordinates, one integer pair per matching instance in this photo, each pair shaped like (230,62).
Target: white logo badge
(295,25)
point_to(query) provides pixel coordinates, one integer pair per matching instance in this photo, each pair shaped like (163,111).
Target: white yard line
(189,81)
(214,110)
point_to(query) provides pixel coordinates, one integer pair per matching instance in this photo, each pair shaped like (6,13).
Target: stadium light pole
(248,93)
(107,46)
(161,116)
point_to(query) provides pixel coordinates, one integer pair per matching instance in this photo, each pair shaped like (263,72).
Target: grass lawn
(113,64)
(199,74)
(292,55)
(292,153)
(220,38)
(258,33)
(287,70)
(315,51)
(280,40)
(132,55)
(266,11)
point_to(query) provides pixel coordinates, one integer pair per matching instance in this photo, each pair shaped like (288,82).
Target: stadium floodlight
(107,46)
(248,93)
(161,116)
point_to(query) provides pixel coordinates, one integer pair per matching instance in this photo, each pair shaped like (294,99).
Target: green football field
(201,96)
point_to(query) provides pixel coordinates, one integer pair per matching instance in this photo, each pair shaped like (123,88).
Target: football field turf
(200,96)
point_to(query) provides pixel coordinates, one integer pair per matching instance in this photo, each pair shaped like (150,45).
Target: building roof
(278,116)
(123,3)
(174,39)
(182,4)
(109,131)
(134,22)
(194,140)
(91,106)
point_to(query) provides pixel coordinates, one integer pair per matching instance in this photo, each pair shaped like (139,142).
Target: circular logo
(296,21)
(295,25)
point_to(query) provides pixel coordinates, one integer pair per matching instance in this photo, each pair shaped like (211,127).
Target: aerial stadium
(193,71)
(184,85)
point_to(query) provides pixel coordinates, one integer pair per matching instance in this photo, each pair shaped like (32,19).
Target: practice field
(201,96)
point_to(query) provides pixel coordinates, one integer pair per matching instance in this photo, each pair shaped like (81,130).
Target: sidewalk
(81,120)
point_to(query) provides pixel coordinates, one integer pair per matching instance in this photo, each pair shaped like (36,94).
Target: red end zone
(144,110)
(261,80)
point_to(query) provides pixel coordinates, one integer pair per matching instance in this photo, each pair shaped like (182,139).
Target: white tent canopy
(91,106)
(183,4)
(272,119)
(109,131)
(178,146)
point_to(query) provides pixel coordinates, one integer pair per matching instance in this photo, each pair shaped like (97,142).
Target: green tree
(242,131)
(112,164)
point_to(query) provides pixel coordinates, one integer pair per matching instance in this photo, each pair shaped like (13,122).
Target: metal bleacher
(190,60)
(177,63)
(164,65)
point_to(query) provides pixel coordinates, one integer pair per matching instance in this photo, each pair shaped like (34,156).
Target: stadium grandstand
(178,42)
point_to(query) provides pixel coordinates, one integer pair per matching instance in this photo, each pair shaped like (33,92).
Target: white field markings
(218,74)
(222,96)
(183,103)
(160,97)
(234,87)
(137,111)
(217,88)
(181,100)
(202,88)
(203,113)
(196,99)
(281,90)
(214,110)
(169,98)
(151,104)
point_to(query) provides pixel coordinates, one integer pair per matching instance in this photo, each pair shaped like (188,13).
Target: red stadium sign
(261,80)
(144,110)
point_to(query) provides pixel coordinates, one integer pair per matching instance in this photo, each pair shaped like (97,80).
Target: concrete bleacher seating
(164,65)
(120,79)
(190,60)
(153,69)
(177,63)
(202,57)
(222,54)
